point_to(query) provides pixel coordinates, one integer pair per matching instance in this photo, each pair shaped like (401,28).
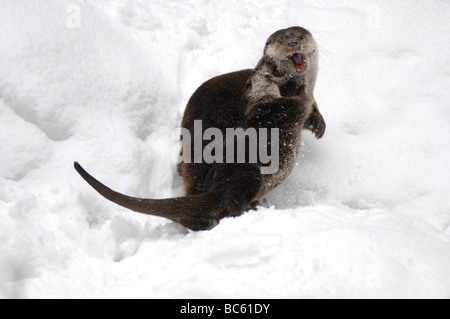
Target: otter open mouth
(299,61)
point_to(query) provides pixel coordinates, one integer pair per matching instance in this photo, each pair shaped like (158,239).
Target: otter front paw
(316,124)
(319,128)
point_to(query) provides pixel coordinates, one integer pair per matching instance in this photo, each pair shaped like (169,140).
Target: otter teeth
(299,61)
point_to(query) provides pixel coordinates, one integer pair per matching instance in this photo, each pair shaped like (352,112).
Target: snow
(365,214)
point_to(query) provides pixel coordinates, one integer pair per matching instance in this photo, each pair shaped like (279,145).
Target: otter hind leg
(263,202)
(199,223)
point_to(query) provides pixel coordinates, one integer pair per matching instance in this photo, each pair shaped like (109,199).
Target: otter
(293,53)
(277,94)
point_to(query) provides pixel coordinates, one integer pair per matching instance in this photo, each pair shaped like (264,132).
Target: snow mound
(365,214)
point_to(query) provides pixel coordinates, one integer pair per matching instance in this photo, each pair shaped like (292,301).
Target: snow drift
(365,214)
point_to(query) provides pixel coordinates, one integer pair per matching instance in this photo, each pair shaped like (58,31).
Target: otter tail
(196,212)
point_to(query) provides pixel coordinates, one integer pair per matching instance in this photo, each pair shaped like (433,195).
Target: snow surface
(366,213)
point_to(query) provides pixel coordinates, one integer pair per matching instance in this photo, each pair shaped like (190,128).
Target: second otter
(292,57)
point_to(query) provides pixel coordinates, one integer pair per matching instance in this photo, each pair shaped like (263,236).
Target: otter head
(293,51)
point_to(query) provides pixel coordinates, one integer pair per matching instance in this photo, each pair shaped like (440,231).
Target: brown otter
(275,95)
(293,53)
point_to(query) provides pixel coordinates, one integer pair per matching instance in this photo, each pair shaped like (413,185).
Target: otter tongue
(300,64)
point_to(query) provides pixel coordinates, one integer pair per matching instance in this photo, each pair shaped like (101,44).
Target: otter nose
(292,44)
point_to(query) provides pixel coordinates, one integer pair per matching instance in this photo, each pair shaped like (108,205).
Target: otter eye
(301,38)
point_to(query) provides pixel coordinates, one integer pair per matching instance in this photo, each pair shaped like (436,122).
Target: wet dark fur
(214,191)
